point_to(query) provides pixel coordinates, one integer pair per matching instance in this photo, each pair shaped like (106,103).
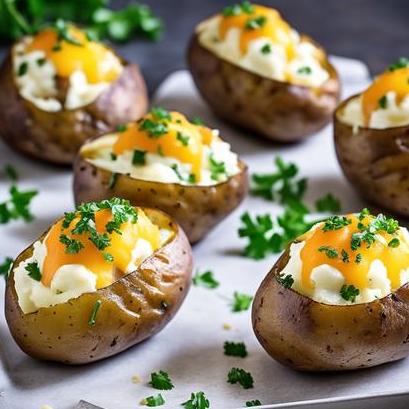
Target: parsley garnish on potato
(33,271)
(205,279)
(93,317)
(286,281)
(241,302)
(197,400)
(236,9)
(161,380)
(235,349)
(240,376)
(217,169)
(349,292)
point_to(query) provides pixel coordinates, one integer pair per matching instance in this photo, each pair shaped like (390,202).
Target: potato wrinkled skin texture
(196,208)
(309,336)
(132,309)
(375,162)
(279,111)
(56,137)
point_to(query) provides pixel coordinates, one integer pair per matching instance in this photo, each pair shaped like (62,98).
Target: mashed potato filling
(331,273)
(89,68)
(259,40)
(62,276)
(184,153)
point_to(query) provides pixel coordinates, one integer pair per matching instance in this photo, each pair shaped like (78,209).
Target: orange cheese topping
(170,143)
(396,81)
(272,27)
(394,259)
(97,61)
(120,248)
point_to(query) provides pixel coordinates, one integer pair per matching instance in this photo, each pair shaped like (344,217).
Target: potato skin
(310,336)
(375,161)
(133,308)
(196,208)
(56,137)
(279,111)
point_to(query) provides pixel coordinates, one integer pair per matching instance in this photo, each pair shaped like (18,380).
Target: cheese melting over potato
(88,66)
(322,264)
(168,149)
(260,41)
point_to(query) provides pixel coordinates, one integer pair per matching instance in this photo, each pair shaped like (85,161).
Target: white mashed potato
(158,168)
(393,115)
(303,69)
(328,281)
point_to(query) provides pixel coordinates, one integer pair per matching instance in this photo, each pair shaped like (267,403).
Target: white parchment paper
(190,348)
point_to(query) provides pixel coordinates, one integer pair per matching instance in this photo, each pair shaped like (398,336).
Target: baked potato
(166,162)
(98,291)
(371,139)
(257,72)
(337,299)
(59,89)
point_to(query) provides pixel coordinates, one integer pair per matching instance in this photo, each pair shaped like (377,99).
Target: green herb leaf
(304,70)
(22,69)
(153,401)
(33,271)
(358,258)
(138,157)
(93,317)
(121,127)
(255,23)
(183,139)
(108,257)
(286,281)
(328,203)
(235,349)
(241,302)
(161,114)
(336,223)
(266,49)
(17,206)
(349,292)
(217,169)
(197,400)
(11,172)
(236,9)
(63,33)
(395,242)
(197,121)
(401,63)
(72,246)
(383,102)
(113,156)
(345,256)
(330,252)
(5,267)
(41,61)
(252,403)
(154,129)
(240,376)
(205,279)
(161,380)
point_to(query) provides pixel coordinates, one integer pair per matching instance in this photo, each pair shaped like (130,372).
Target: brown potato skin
(279,111)
(196,208)
(310,336)
(56,137)
(133,308)
(375,161)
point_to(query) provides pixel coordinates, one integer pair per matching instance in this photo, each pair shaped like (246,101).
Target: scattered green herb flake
(17,206)
(108,257)
(175,168)
(11,172)
(330,252)
(336,223)
(160,151)
(192,179)
(161,114)
(231,11)
(217,169)
(41,61)
(153,401)
(112,180)
(241,302)
(153,128)
(197,121)
(252,403)
(205,279)
(345,256)
(93,317)
(138,157)
(255,23)
(240,376)
(197,400)
(328,203)
(22,69)
(266,49)
(5,267)
(121,127)
(72,246)
(247,7)
(286,281)
(56,47)
(395,242)
(349,292)
(161,380)
(306,70)
(358,258)
(383,102)
(113,156)
(235,349)
(183,139)
(63,33)
(403,62)
(33,271)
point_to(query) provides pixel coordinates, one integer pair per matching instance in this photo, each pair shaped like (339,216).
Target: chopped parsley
(336,223)
(5,267)
(183,139)
(205,279)
(241,302)
(33,271)
(255,23)
(17,206)
(112,180)
(345,256)
(41,61)
(266,49)
(394,242)
(237,9)
(197,121)
(402,62)
(306,70)
(113,156)
(138,157)
(161,114)
(240,376)
(11,172)
(358,258)
(217,169)
(121,128)
(108,257)
(153,128)
(328,203)
(197,400)
(161,380)
(349,292)
(63,33)
(93,317)
(286,281)
(252,403)
(383,102)
(153,401)
(330,252)
(72,246)
(235,349)
(22,69)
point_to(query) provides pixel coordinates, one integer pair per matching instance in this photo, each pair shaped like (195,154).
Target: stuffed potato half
(326,307)
(166,162)
(257,72)
(371,139)
(60,88)
(70,300)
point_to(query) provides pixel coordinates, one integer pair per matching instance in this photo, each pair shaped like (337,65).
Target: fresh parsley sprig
(161,380)
(17,206)
(241,302)
(235,349)
(197,400)
(240,376)
(5,267)
(205,279)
